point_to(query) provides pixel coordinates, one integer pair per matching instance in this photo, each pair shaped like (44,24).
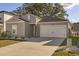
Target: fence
(75,33)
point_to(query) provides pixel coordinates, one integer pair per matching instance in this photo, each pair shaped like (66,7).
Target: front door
(32,30)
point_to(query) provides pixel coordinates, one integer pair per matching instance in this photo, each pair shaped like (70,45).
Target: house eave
(54,22)
(16,22)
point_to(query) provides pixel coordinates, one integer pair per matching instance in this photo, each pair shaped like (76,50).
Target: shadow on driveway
(48,41)
(39,39)
(54,42)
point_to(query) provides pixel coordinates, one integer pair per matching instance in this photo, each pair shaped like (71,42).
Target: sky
(72,10)
(9,6)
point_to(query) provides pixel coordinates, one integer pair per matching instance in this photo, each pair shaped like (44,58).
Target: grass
(64,43)
(65,53)
(7,42)
(74,41)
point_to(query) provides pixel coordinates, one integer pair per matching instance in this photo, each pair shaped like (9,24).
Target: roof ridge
(7,12)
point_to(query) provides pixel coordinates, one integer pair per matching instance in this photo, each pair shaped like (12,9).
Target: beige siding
(38,30)
(2,21)
(20,28)
(6,17)
(30,32)
(2,17)
(1,29)
(26,29)
(33,19)
(9,27)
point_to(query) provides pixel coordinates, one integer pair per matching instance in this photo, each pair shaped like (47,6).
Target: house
(23,26)
(30,25)
(54,27)
(75,29)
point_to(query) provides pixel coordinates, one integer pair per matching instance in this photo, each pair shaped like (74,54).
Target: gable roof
(75,26)
(75,23)
(31,14)
(51,19)
(11,13)
(19,17)
(13,19)
(15,15)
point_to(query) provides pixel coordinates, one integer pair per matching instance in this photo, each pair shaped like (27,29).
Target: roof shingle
(50,19)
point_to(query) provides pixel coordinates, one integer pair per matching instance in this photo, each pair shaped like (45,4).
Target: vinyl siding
(20,28)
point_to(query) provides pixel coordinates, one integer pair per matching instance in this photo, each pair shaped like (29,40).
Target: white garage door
(52,30)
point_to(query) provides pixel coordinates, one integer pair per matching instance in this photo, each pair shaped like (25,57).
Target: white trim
(16,22)
(1,24)
(4,26)
(32,23)
(53,22)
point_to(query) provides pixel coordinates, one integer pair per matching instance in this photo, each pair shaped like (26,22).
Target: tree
(42,9)
(39,9)
(58,11)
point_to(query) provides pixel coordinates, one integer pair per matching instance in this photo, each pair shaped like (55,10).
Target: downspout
(4,27)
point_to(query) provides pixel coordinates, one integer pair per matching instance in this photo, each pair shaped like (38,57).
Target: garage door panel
(53,31)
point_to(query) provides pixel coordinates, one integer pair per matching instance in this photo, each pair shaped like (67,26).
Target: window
(14,29)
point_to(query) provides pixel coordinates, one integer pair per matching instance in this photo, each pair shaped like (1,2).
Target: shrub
(23,37)
(6,34)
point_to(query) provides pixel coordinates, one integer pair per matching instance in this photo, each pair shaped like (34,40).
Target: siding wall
(2,21)
(20,28)
(33,19)
(1,28)
(38,30)
(26,29)
(2,17)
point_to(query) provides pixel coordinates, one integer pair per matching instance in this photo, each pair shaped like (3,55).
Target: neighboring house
(30,25)
(75,29)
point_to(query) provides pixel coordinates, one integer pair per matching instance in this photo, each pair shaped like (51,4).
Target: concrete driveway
(32,48)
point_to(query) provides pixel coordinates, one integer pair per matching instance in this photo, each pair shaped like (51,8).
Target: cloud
(69,5)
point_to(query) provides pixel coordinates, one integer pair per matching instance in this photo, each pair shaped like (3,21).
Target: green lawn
(65,53)
(7,42)
(74,41)
(62,53)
